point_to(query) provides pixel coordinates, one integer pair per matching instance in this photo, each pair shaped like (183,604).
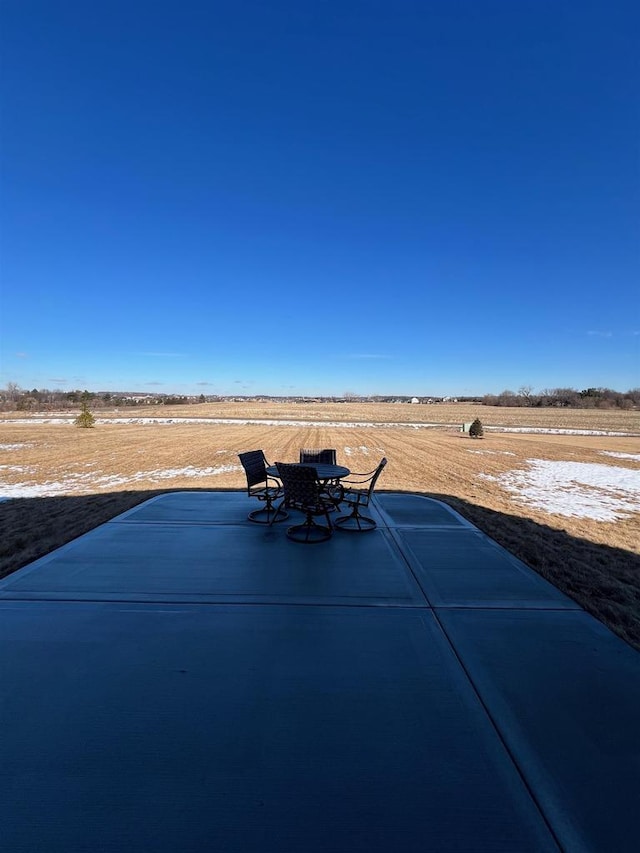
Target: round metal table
(324,472)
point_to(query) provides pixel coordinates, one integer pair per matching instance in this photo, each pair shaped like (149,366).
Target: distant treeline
(14,398)
(589,398)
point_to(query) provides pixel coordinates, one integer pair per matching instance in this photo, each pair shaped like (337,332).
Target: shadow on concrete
(602,579)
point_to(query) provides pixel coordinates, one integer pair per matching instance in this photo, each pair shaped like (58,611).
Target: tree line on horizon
(14,398)
(588,398)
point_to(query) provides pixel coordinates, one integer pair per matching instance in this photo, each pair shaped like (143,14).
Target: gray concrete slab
(464,568)
(182,679)
(211,508)
(245,729)
(193,508)
(198,562)
(564,693)
(407,510)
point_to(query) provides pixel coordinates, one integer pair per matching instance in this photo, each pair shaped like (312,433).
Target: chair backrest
(300,482)
(254,464)
(374,479)
(323,457)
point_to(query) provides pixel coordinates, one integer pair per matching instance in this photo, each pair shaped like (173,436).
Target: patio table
(325,472)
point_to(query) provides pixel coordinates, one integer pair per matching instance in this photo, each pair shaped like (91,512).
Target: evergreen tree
(85,419)
(476,430)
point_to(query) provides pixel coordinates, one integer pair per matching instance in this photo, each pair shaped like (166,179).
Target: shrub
(476,430)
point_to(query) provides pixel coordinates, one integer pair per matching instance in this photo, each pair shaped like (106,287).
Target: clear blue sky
(430,197)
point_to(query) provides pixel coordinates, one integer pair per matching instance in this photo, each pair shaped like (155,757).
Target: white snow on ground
(349,451)
(558,431)
(579,489)
(14,446)
(82,483)
(38,421)
(230,421)
(492,452)
(335,424)
(634,456)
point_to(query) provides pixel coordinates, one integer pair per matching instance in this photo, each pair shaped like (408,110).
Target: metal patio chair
(303,491)
(357,492)
(325,457)
(263,487)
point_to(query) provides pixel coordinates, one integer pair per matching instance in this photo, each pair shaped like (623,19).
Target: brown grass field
(74,479)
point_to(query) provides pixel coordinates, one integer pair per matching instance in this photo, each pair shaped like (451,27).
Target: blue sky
(431,197)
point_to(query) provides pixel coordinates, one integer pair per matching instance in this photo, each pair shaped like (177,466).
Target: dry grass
(110,468)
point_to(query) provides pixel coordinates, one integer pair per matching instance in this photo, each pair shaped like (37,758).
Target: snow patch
(492,452)
(37,421)
(557,431)
(575,489)
(83,483)
(634,456)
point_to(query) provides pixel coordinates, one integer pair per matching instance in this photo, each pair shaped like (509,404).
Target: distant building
(415,400)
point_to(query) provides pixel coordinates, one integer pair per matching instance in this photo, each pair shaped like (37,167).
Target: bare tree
(13,391)
(525,391)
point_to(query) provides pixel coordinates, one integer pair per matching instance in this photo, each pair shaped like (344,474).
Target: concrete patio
(180,679)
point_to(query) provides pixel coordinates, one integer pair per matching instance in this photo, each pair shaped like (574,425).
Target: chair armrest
(364,478)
